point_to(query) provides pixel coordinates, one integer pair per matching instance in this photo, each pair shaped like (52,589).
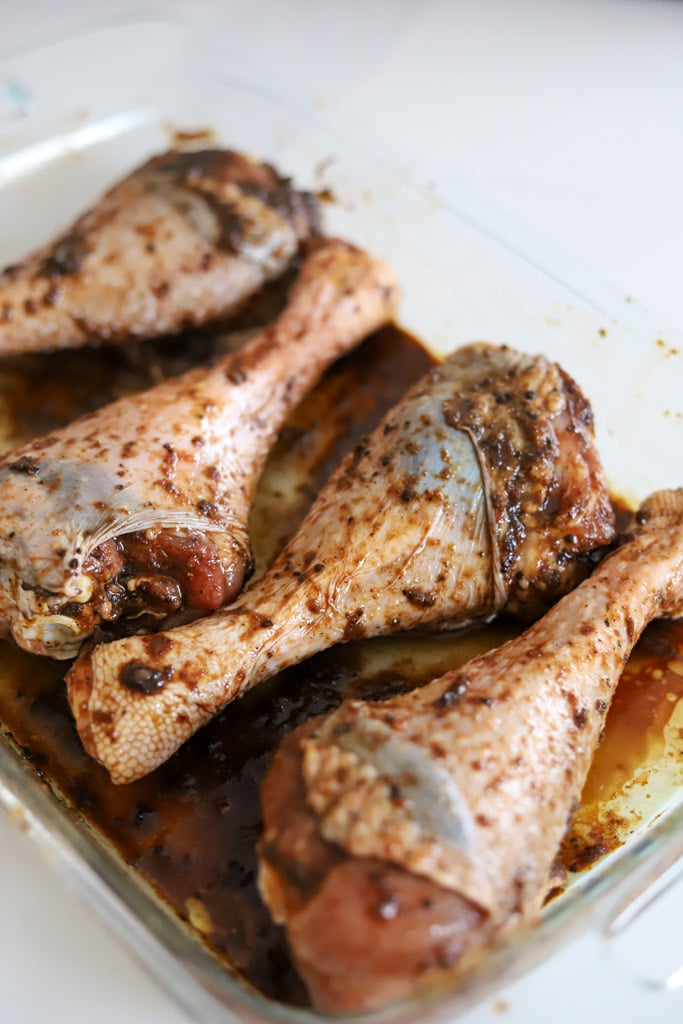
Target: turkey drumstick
(480,490)
(181,241)
(403,836)
(142,506)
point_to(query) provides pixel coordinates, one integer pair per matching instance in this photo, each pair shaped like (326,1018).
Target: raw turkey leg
(181,241)
(403,836)
(142,506)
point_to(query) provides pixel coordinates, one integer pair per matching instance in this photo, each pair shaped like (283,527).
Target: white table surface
(568,115)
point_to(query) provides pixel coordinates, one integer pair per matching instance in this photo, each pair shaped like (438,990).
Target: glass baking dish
(466,275)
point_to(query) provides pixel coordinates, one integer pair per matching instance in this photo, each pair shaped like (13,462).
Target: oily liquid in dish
(190,829)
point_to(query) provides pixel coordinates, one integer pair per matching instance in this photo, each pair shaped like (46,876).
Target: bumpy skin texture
(154,490)
(533,431)
(461,790)
(399,538)
(183,240)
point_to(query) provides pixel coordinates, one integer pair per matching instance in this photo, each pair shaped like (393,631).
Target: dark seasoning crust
(235,207)
(200,170)
(519,443)
(190,829)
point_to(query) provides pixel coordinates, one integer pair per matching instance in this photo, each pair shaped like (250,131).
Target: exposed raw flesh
(403,836)
(183,240)
(142,507)
(481,490)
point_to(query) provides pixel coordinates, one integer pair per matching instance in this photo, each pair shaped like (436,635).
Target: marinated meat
(404,836)
(141,508)
(183,240)
(433,521)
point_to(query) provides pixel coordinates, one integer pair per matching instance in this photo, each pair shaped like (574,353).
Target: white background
(568,115)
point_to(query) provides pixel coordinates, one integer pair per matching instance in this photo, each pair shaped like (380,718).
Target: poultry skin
(480,491)
(183,240)
(402,837)
(141,508)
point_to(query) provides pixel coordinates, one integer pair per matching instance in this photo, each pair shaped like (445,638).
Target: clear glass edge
(206,989)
